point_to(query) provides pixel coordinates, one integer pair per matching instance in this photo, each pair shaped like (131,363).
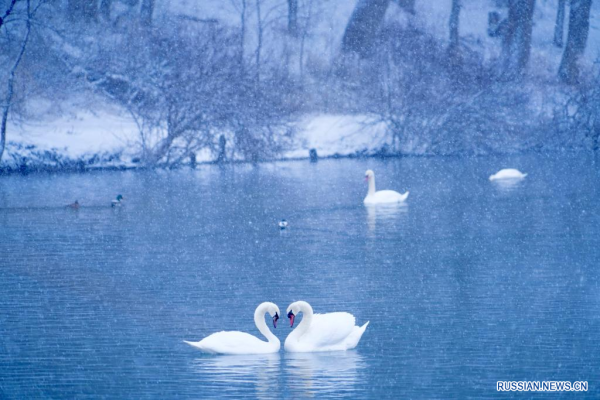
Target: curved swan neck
(371,185)
(259,321)
(307,316)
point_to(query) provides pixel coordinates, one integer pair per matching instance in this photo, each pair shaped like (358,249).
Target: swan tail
(194,344)
(354,337)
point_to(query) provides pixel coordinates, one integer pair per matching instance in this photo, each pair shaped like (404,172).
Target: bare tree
(260,39)
(305,30)
(292,17)
(579,25)
(7,12)
(11,78)
(364,26)
(454,19)
(146,11)
(517,38)
(560,22)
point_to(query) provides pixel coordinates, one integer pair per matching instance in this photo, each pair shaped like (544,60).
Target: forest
(234,85)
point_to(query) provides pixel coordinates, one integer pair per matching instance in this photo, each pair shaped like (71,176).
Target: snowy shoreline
(107,141)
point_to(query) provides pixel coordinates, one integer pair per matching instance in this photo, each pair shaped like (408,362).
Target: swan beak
(291,316)
(275,318)
(367,178)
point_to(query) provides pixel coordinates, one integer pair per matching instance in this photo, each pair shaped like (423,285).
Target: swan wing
(329,329)
(231,342)
(353,339)
(386,196)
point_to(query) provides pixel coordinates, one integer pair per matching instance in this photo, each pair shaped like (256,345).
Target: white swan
(382,196)
(322,332)
(508,173)
(235,342)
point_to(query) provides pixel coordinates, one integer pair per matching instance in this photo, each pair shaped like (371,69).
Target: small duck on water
(283,224)
(117,202)
(74,206)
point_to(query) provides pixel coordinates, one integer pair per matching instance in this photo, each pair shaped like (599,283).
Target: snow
(85,131)
(334,135)
(83,134)
(79,134)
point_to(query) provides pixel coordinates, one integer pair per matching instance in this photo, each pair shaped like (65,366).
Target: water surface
(469,283)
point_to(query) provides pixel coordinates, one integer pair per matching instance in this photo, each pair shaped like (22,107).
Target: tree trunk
(579,25)
(517,38)
(260,39)
(146,12)
(11,82)
(363,26)
(454,19)
(560,23)
(105,7)
(242,35)
(293,17)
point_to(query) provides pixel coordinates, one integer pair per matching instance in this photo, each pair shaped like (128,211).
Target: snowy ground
(107,136)
(108,139)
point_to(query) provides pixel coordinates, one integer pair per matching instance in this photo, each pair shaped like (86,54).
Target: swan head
(369,175)
(274,312)
(292,311)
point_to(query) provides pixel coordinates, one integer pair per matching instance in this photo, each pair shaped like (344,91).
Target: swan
(508,173)
(235,342)
(321,332)
(382,196)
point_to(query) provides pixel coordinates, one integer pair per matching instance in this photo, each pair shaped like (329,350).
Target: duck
(507,173)
(382,196)
(117,202)
(74,205)
(283,224)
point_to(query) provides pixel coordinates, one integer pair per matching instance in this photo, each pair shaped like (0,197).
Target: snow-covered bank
(109,139)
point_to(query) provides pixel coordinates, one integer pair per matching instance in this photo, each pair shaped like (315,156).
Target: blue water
(470,283)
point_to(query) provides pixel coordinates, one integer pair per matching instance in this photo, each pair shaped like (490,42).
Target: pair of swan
(317,332)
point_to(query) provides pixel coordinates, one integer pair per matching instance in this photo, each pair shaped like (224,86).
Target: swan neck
(371,185)
(259,321)
(307,317)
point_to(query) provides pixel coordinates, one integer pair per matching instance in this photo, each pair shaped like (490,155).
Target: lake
(470,282)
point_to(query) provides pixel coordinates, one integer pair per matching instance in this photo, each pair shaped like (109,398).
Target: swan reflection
(507,185)
(384,213)
(319,374)
(236,374)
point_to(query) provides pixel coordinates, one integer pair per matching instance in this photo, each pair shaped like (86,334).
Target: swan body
(235,342)
(322,332)
(508,173)
(382,196)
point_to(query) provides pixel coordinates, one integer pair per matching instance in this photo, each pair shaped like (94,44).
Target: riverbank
(109,140)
